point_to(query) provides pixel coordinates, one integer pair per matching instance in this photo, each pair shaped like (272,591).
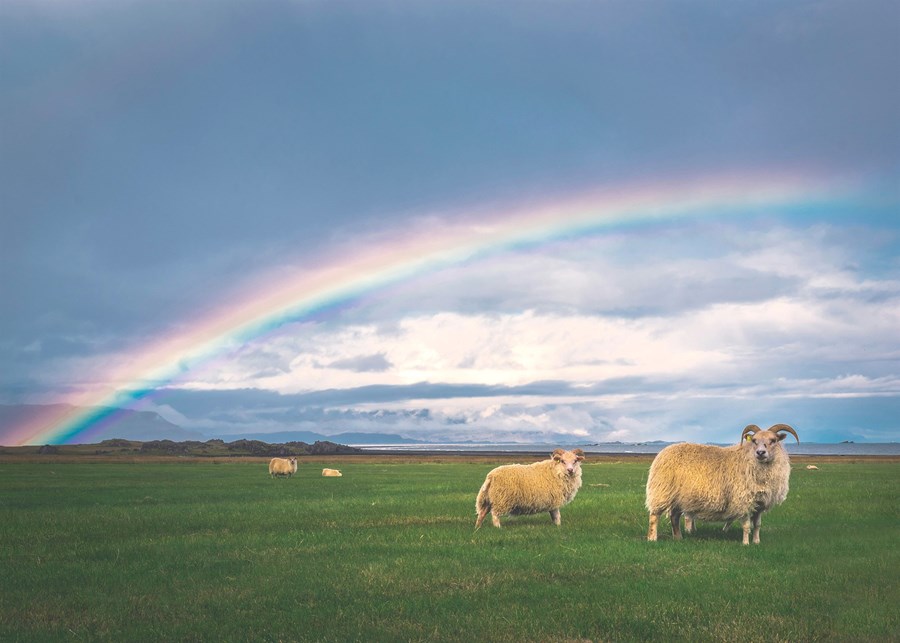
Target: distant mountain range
(148,425)
(129,425)
(341,438)
(192,448)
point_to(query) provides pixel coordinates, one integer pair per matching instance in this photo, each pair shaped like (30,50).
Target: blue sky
(159,160)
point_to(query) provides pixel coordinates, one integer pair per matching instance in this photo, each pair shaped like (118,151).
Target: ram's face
(570,461)
(763,444)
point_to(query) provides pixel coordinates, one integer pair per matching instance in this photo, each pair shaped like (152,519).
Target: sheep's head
(764,444)
(293,460)
(570,461)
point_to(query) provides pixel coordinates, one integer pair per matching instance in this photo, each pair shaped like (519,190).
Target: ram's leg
(554,516)
(745,523)
(651,533)
(727,525)
(757,523)
(495,518)
(688,524)
(675,518)
(481,514)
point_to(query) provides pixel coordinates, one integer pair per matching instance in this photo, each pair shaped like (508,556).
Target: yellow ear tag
(749,437)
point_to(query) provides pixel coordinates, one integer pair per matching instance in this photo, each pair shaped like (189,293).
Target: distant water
(809,448)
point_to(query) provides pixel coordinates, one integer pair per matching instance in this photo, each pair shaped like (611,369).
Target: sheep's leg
(757,523)
(675,518)
(554,516)
(688,524)
(481,514)
(651,533)
(495,518)
(727,525)
(745,523)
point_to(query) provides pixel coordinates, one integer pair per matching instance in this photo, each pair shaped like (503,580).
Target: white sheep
(720,483)
(282,467)
(516,489)
(331,473)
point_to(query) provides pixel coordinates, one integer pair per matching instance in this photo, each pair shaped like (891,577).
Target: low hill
(130,425)
(193,448)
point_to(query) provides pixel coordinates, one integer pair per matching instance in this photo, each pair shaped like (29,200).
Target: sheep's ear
(557,454)
(579,454)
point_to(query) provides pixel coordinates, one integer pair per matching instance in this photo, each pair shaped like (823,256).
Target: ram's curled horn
(776,428)
(750,428)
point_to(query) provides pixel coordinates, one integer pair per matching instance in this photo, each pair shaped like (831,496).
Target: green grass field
(221,552)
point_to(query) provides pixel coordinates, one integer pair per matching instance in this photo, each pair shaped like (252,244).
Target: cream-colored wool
(282,467)
(331,473)
(516,489)
(705,482)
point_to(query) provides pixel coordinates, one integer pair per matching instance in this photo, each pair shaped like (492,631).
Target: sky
(481,221)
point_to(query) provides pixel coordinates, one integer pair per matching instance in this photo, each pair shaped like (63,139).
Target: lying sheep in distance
(282,467)
(331,473)
(720,483)
(517,489)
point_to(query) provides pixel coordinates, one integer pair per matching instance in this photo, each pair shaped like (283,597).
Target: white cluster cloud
(800,326)
(458,348)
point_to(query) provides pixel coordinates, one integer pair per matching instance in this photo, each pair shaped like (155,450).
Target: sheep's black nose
(760,453)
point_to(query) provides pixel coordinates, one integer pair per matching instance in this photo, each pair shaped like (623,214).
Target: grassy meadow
(202,551)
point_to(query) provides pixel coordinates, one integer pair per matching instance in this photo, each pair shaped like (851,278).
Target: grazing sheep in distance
(331,473)
(516,489)
(720,483)
(812,467)
(282,467)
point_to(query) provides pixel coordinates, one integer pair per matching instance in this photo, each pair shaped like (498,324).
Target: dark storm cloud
(136,176)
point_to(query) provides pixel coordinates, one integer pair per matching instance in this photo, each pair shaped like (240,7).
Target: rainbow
(351,273)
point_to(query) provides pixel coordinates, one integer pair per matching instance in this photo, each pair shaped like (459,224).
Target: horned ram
(706,482)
